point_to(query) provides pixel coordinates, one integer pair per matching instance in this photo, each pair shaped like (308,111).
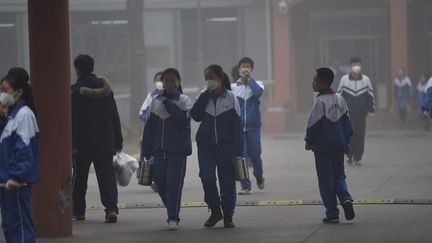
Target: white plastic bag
(125,166)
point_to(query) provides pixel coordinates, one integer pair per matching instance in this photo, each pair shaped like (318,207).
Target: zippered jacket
(220,121)
(167,129)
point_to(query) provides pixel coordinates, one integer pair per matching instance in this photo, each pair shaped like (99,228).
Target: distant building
(303,34)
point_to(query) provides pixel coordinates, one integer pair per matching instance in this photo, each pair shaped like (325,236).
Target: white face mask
(6,98)
(212,85)
(356,69)
(243,72)
(159,85)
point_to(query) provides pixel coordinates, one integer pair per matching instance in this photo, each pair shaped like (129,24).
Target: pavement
(392,190)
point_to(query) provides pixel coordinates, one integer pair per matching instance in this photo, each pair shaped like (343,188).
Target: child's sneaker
(331,220)
(245,191)
(348,209)
(173,225)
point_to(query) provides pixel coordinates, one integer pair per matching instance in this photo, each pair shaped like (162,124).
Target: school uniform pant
(252,151)
(358,138)
(332,181)
(169,174)
(106,178)
(218,159)
(16,215)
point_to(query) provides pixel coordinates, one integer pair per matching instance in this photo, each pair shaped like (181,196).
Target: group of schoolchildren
(230,121)
(229,118)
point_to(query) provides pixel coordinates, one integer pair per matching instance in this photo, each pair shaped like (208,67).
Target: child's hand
(308,147)
(426,114)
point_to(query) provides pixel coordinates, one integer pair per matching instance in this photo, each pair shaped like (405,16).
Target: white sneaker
(173,225)
(245,191)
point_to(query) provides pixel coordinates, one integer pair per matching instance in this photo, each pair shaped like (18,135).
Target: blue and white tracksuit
(328,133)
(167,138)
(402,93)
(19,160)
(143,110)
(427,101)
(219,141)
(248,96)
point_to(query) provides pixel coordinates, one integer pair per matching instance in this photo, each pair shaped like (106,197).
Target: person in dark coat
(96,137)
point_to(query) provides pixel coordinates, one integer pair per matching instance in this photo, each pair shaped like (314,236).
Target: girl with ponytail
(19,157)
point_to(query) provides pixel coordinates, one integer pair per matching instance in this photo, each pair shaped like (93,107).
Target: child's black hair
(18,73)
(226,84)
(157,74)
(355,60)
(246,60)
(174,72)
(325,75)
(27,95)
(84,63)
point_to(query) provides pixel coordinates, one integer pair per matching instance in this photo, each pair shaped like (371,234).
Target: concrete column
(50,80)
(275,119)
(398,41)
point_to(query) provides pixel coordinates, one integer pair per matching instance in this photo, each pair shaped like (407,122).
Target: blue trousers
(169,174)
(252,150)
(218,159)
(331,179)
(16,215)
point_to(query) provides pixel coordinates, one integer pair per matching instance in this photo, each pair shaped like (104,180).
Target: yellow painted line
(280,203)
(269,203)
(193,204)
(374,201)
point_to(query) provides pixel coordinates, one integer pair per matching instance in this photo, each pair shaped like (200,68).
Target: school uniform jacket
(146,104)
(220,121)
(248,96)
(427,101)
(329,128)
(358,94)
(19,146)
(167,129)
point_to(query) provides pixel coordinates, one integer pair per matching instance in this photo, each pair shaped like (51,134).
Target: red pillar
(398,41)
(275,120)
(50,77)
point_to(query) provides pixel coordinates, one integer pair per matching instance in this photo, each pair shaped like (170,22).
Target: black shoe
(261,183)
(332,220)
(348,209)
(216,216)
(228,222)
(78,217)
(110,216)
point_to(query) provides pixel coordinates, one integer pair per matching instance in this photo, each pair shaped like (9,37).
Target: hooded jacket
(96,127)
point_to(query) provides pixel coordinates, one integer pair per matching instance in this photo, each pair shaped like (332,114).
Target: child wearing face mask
(166,138)
(356,88)
(248,92)
(157,89)
(143,111)
(19,158)
(219,141)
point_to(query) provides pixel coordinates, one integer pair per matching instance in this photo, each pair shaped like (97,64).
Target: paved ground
(397,165)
